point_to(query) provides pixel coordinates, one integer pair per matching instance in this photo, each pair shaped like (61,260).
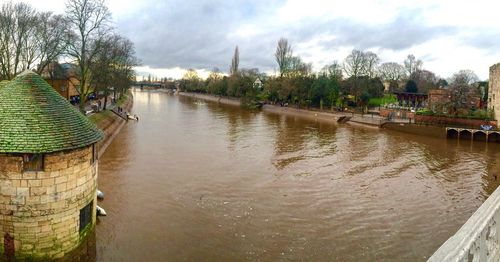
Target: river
(198,181)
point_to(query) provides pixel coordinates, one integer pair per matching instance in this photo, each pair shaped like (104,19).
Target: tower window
(94,154)
(86,215)
(33,162)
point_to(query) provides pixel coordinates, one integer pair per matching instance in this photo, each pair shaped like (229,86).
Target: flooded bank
(195,180)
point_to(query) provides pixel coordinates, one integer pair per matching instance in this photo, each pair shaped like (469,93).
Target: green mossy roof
(34,118)
(3,83)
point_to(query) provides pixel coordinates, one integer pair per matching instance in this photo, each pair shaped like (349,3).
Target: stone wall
(453,122)
(421,130)
(41,210)
(494,90)
(112,125)
(213,98)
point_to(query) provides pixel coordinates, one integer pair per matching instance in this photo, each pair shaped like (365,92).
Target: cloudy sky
(173,35)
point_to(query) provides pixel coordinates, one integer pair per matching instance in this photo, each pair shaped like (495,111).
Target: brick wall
(448,121)
(401,114)
(41,210)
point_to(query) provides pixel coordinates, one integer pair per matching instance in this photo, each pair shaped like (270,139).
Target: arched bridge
(473,134)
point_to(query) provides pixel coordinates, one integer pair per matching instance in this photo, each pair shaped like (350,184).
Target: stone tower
(494,91)
(48,171)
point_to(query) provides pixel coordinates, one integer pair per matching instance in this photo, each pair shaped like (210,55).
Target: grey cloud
(195,34)
(187,34)
(484,39)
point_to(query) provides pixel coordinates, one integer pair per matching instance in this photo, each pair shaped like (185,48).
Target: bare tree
(283,56)
(333,70)
(391,71)
(464,77)
(87,26)
(17,38)
(425,80)
(28,38)
(355,64)
(103,65)
(235,62)
(297,67)
(123,67)
(372,61)
(50,35)
(462,90)
(412,65)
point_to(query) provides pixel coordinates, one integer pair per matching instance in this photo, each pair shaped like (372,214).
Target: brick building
(62,78)
(48,171)
(438,100)
(494,91)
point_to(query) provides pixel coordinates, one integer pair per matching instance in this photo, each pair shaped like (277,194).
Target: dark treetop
(34,118)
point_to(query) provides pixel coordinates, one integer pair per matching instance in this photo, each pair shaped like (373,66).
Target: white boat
(100,194)
(132,117)
(100,211)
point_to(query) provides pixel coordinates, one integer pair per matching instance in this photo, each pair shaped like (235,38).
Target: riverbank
(217,99)
(357,119)
(290,111)
(333,117)
(110,123)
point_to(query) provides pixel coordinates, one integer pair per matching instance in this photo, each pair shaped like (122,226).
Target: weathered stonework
(494,90)
(41,210)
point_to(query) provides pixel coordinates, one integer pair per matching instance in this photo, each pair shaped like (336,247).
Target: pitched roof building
(62,78)
(48,171)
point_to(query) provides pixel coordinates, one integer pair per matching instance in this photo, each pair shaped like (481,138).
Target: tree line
(356,80)
(31,39)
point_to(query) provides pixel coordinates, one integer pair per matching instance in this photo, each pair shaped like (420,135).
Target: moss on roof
(3,83)
(34,118)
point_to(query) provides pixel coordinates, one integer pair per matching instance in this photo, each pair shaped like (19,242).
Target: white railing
(478,239)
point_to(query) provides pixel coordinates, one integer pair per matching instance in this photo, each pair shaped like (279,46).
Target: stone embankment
(112,125)
(218,99)
(366,120)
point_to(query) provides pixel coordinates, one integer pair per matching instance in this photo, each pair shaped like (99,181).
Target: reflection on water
(199,181)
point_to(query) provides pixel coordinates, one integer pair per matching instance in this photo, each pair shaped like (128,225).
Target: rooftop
(3,83)
(34,118)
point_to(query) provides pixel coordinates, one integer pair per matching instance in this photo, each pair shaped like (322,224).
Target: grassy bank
(123,98)
(101,116)
(380,101)
(105,114)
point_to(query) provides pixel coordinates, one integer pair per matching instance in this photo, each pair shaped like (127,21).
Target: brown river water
(198,181)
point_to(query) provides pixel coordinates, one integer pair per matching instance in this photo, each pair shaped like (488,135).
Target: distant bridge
(147,84)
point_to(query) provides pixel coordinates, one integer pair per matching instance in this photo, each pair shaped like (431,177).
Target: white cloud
(176,72)
(449,35)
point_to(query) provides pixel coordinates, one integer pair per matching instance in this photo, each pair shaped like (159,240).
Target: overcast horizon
(171,36)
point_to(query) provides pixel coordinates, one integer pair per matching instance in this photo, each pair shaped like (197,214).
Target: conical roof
(34,118)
